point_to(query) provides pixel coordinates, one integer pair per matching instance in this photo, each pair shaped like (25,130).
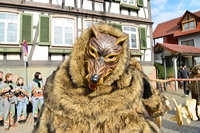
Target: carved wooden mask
(101,56)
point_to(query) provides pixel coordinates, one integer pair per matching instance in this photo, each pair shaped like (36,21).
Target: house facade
(183,31)
(50,28)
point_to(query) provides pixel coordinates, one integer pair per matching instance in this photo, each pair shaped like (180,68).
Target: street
(167,126)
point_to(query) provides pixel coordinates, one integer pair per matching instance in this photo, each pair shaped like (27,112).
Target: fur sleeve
(153,100)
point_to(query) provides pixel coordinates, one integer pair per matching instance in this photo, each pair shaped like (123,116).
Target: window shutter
(140,3)
(143,43)
(26,28)
(44,34)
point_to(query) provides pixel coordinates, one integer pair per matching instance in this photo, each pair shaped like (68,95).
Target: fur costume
(195,85)
(124,102)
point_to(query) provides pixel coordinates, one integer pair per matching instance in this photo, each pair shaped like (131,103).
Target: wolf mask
(101,56)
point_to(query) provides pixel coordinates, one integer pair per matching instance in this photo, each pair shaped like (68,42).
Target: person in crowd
(183,73)
(36,89)
(1,99)
(9,101)
(22,100)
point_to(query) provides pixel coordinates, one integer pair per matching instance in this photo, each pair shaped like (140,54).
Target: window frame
(188,22)
(134,4)
(63,34)
(6,21)
(95,21)
(129,34)
(187,41)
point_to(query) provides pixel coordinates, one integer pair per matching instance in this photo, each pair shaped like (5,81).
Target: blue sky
(164,10)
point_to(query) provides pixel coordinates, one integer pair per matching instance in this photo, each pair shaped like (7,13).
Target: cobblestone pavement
(167,127)
(21,128)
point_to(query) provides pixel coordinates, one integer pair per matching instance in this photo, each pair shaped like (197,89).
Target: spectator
(183,73)
(22,100)
(37,87)
(9,101)
(1,99)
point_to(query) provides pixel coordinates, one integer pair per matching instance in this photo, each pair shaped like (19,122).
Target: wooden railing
(173,79)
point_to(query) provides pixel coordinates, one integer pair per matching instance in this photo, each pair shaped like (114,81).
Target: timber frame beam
(43,7)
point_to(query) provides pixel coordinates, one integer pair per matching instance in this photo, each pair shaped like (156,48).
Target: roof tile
(172,28)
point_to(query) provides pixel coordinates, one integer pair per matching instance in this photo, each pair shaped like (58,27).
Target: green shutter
(44,34)
(26,28)
(140,3)
(143,42)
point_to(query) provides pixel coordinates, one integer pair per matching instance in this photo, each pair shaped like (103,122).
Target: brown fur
(195,85)
(115,106)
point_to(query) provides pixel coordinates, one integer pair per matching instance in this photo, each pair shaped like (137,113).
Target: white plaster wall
(79,33)
(79,23)
(107,5)
(124,12)
(115,8)
(57,2)
(13,57)
(78,3)
(141,13)
(133,13)
(98,6)
(147,55)
(146,12)
(1,56)
(87,5)
(148,30)
(145,3)
(148,42)
(69,3)
(56,57)
(41,1)
(40,53)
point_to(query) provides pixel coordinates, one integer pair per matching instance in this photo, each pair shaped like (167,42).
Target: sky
(164,10)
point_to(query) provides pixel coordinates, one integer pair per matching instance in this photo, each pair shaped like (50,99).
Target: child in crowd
(9,100)
(22,94)
(36,89)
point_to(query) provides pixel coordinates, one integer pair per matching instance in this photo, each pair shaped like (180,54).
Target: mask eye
(93,52)
(111,58)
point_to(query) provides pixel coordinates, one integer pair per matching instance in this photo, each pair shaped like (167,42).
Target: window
(188,42)
(188,23)
(63,32)
(9,28)
(132,33)
(132,2)
(89,23)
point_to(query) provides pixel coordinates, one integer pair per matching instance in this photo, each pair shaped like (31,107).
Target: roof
(178,49)
(173,28)
(188,12)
